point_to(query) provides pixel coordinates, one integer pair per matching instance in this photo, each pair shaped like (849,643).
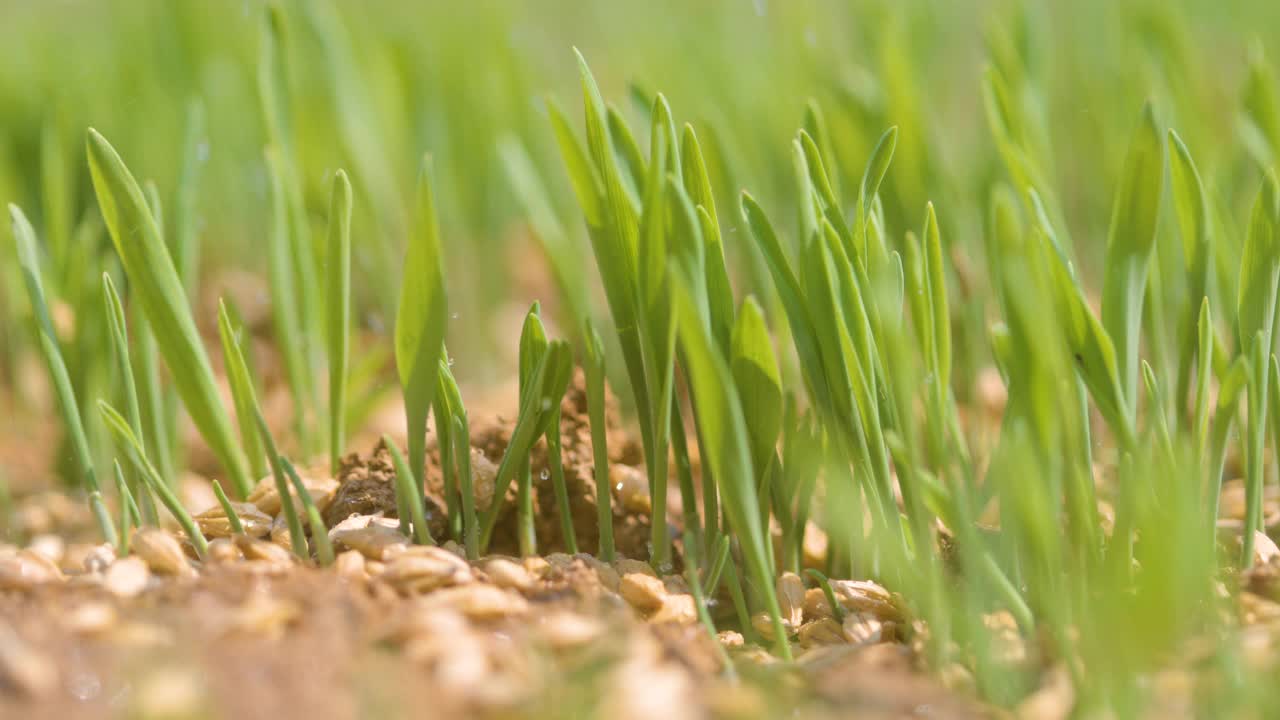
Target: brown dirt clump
(367,483)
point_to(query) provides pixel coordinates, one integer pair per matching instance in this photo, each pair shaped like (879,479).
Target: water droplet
(546,404)
(454,316)
(544,474)
(665,568)
(450,362)
(618,487)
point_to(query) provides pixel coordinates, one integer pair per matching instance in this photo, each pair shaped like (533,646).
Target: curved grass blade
(156,286)
(233,517)
(128,443)
(405,482)
(25,239)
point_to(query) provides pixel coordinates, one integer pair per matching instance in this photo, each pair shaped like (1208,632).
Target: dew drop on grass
(544,474)
(546,404)
(450,362)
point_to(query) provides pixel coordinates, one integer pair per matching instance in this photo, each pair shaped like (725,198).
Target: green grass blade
(129,444)
(758,380)
(233,517)
(25,239)
(594,369)
(156,286)
(130,518)
(409,494)
(420,322)
(1192,212)
(724,426)
(242,393)
(338,315)
(1130,243)
(319,532)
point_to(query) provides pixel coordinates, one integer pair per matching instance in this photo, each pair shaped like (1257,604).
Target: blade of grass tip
(420,324)
(25,239)
(242,393)
(1130,243)
(129,515)
(338,315)
(233,517)
(132,448)
(877,168)
(462,458)
(594,369)
(120,345)
(156,286)
(319,531)
(405,482)
(533,355)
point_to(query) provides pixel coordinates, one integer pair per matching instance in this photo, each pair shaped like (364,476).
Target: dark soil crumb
(367,483)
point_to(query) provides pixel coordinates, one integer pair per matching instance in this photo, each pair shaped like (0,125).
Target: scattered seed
(645,593)
(509,575)
(161,551)
(127,577)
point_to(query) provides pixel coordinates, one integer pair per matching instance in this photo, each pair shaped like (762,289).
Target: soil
(393,630)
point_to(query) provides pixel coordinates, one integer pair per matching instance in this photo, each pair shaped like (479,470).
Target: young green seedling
(157,288)
(420,325)
(338,311)
(129,444)
(242,387)
(233,517)
(408,494)
(593,366)
(319,532)
(242,396)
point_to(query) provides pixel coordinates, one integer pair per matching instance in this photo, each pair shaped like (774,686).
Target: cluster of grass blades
(824,396)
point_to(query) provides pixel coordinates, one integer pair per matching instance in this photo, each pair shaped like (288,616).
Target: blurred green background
(373,85)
